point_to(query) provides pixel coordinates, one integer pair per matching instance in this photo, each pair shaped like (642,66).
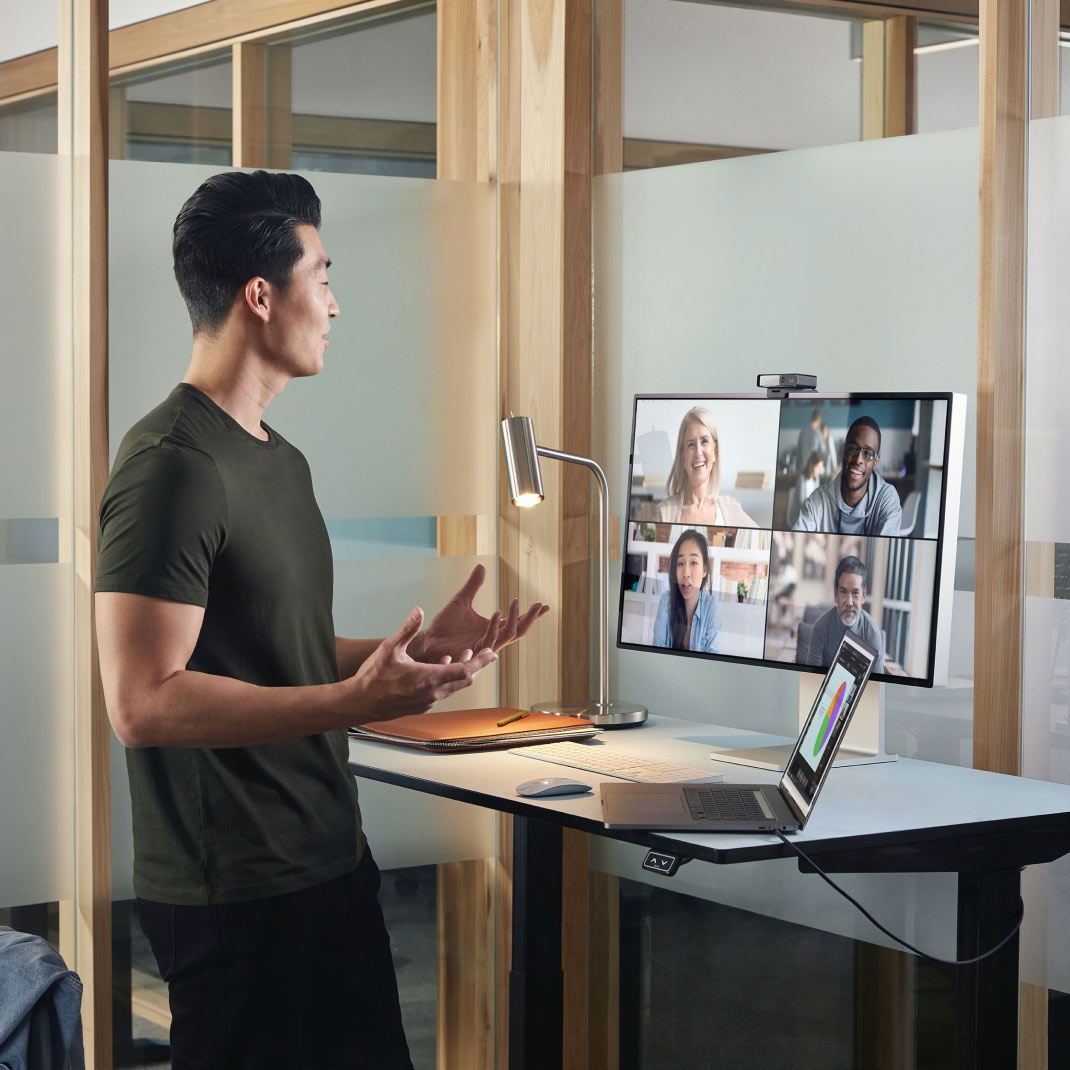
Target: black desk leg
(536,981)
(986,995)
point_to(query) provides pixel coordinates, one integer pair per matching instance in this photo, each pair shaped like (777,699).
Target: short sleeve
(162,522)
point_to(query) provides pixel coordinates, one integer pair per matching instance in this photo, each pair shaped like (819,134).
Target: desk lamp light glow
(525,488)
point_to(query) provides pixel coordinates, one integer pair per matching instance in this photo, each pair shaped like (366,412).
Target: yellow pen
(510,719)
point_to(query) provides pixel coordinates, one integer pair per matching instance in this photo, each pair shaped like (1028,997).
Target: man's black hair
(850,564)
(235,227)
(866,421)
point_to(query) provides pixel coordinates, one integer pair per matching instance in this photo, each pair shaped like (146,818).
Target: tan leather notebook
(474,729)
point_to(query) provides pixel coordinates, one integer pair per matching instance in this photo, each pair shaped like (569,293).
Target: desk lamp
(525,488)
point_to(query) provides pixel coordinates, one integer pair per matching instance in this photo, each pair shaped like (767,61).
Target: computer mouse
(551,785)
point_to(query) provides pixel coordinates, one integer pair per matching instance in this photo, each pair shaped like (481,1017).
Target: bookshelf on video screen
(761,529)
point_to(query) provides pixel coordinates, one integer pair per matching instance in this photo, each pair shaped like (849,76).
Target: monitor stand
(863,744)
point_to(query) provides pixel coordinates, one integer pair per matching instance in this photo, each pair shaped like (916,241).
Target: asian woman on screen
(695,479)
(687,613)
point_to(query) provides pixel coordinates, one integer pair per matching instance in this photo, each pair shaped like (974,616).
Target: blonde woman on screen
(695,478)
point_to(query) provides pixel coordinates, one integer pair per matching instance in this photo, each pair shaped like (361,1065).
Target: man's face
(301,315)
(850,594)
(861,452)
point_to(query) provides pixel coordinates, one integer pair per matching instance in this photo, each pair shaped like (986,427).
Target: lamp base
(603,714)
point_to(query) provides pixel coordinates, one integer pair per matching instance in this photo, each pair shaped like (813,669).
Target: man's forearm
(194,709)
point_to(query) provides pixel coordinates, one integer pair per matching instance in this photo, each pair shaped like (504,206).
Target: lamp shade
(522,461)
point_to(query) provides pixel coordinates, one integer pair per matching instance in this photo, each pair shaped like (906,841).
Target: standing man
(811,441)
(849,589)
(225,681)
(860,502)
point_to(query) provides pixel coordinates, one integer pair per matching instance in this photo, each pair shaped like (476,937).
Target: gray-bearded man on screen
(849,588)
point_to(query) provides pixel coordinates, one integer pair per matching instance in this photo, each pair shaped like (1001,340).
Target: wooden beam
(605,972)
(1044,59)
(889,77)
(466,917)
(249,105)
(209,26)
(117,122)
(83,130)
(466,150)
(1003,134)
(279,89)
(467,141)
(610,151)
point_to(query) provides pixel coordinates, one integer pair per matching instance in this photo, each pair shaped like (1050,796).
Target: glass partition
(857,263)
(740,80)
(1046,632)
(29,125)
(174,113)
(36,539)
(363,95)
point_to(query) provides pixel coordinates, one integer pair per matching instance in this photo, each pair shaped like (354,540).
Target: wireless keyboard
(603,759)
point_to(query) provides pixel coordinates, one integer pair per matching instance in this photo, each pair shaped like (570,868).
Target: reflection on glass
(179,113)
(30,125)
(705,82)
(363,95)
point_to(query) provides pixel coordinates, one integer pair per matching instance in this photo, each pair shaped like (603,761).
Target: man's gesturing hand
(391,684)
(458,627)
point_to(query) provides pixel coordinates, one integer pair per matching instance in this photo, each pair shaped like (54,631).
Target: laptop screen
(820,738)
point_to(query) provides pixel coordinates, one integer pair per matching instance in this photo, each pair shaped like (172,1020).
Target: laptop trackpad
(651,806)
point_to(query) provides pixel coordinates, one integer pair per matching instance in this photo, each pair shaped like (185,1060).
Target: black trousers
(298,980)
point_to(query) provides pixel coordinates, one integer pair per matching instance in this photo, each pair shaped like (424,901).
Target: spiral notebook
(455,730)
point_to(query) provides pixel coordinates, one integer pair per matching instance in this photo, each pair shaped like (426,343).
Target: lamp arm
(603,564)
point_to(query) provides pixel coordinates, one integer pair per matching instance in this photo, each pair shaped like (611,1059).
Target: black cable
(887,932)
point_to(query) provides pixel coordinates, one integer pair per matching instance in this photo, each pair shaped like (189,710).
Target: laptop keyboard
(601,759)
(724,804)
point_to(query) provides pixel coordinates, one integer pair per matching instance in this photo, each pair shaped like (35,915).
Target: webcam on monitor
(785,381)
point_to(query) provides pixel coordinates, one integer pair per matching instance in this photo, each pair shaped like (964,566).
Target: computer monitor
(759,529)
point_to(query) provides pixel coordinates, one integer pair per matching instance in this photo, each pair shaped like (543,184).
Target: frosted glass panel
(1047,479)
(401,422)
(855,262)
(1046,639)
(37,727)
(35,406)
(36,579)
(400,427)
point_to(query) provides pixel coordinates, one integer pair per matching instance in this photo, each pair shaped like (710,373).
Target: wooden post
(83,134)
(1000,384)
(889,77)
(249,104)
(279,106)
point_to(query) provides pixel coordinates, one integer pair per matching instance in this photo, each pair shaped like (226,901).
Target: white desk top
(898,803)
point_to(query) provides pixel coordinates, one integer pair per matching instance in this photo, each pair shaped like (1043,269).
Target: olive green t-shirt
(199,511)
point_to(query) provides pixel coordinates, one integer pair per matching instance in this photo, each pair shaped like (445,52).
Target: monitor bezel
(947,396)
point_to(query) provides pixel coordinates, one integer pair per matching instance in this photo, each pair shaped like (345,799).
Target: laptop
(756,807)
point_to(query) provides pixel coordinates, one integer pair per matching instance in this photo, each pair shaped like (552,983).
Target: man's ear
(257,296)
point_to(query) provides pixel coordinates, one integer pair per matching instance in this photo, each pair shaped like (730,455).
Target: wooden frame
(889,77)
(83,126)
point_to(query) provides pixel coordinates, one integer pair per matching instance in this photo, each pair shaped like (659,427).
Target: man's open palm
(457,627)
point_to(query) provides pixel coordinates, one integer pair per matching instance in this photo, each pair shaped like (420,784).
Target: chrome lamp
(522,455)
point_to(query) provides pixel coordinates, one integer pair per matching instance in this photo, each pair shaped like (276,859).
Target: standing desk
(901,817)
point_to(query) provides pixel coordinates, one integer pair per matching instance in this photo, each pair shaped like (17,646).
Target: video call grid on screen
(749,525)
